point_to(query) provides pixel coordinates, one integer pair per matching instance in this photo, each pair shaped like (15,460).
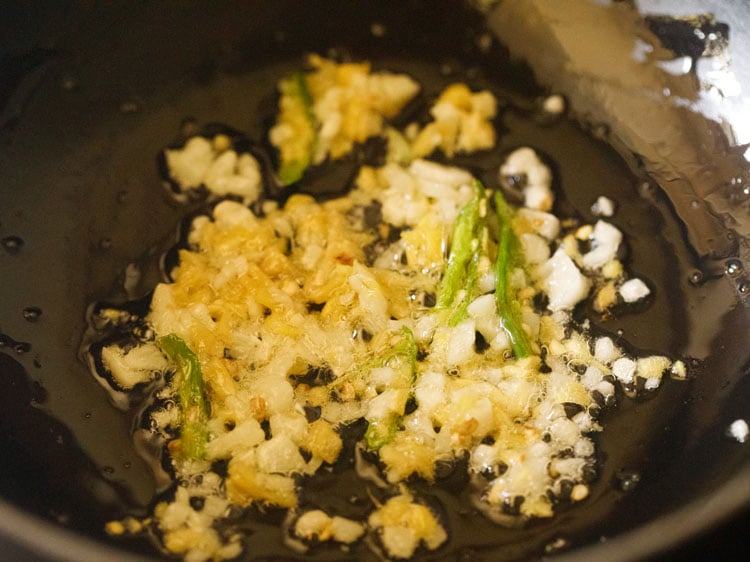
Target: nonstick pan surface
(92,94)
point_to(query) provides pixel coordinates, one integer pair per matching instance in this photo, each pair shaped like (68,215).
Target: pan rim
(45,540)
(657,535)
(48,541)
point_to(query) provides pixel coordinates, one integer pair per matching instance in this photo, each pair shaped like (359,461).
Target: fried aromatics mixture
(420,302)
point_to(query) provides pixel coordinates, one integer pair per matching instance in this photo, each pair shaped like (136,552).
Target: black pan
(90,95)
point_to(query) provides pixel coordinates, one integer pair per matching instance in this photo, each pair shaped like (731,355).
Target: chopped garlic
(652,383)
(603,207)
(624,370)
(462,123)
(605,240)
(188,165)
(461,343)
(222,171)
(652,367)
(605,350)
(580,492)
(634,290)
(678,370)
(554,104)
(525,163)
(135,366)
(244,436)
(318,525)
(565,285)
(544,224)
(231,174)
(403,524)
(739,431)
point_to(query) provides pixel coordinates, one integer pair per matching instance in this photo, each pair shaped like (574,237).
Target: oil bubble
(68,83)
(132,277)
(32,313)
(128,107)
(62,518)
(105,244)
(377,29)
(627,480)
(188,127)
(39,394)
(446,69)
(695,365)
(600,131)
(696,277)
(108,469)
(334,53)
(484,42)
(733,267)
(646,189)
(12,244)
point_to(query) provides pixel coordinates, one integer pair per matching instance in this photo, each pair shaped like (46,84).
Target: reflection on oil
(662,121)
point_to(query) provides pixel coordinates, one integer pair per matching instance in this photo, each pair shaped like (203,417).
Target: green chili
(382,431)
(507,305)
(194,407)
(466,246)
(406,348)
(295,86)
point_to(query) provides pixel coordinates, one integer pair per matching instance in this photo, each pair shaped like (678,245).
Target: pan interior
(81,192)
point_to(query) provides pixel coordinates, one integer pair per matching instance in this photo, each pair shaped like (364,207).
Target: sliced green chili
(466,246)
(295,86)
(194,407)
(382,431)
(507,305)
